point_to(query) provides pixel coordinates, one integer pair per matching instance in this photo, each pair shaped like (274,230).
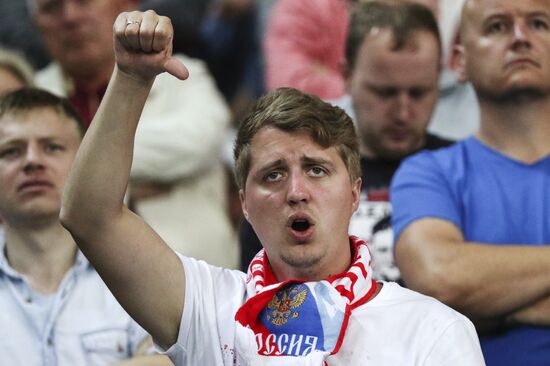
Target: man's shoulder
(441,148)
(434,142)
(444,155)
(50,78)
(50,69)
(201,272)
(419,327)
(393,294)
(394,299)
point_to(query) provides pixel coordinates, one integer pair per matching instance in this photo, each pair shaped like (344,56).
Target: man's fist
(143,45)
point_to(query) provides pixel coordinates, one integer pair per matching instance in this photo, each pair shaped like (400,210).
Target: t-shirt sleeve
(137,336)
(212,297)
(458,345)
(420,188)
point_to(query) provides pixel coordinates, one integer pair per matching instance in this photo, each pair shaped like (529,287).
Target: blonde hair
(17,65)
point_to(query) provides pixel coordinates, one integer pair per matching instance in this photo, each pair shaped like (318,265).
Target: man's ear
(346,72)
(243,204)
(356,194)
(457,62)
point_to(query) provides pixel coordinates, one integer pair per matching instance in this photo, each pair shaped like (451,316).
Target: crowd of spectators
(448,98)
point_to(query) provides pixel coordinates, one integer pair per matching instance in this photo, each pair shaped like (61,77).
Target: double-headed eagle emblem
(280,308)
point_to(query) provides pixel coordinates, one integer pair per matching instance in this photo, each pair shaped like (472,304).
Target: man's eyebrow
(313,160)
(375,85)
(504,14)
(306,160)
(271,165)
(24,140)
(378,88)
(538,13)
(11,141)
(495,14)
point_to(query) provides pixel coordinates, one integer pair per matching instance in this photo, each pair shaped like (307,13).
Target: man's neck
(89,80)
(42,255)
(519,129)
(328,266)
(85,91)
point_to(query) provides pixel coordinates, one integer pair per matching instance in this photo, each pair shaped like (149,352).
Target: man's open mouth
(300,225)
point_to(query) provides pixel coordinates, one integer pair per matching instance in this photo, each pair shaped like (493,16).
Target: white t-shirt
(397,327)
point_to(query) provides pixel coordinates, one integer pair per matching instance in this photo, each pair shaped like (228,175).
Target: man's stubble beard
(513,95)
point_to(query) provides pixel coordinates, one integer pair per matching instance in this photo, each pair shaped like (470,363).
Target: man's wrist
(132,80)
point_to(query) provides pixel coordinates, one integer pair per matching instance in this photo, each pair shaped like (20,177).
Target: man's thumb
(175,67)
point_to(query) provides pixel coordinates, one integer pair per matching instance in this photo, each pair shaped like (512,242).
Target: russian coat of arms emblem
(284,304)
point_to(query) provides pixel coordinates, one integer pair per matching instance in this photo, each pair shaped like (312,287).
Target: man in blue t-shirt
(472,221)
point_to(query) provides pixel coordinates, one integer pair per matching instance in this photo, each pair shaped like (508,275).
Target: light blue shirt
(80,324)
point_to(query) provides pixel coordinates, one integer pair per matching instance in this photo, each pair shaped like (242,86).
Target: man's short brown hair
(290,110)
(28,99)
(402,18)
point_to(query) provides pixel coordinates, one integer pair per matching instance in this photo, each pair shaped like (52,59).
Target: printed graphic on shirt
(372,223)
(299,320)
(229,354)
(283,304)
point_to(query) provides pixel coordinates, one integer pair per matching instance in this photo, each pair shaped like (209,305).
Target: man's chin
(396,152)
(518,92)
(79,61)
(36,213)
(301,259)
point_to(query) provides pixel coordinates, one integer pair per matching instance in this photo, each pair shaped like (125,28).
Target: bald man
(471,220)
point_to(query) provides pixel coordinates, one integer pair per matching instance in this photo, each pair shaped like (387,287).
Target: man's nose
(34,158)
(72,10)
(520,35)
(297,189)
(403,108)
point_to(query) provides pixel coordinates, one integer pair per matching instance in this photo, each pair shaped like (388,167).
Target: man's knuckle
(162,34)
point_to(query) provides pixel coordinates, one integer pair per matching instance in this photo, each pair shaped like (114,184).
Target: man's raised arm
(143,273)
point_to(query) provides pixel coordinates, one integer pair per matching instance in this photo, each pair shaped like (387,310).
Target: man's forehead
(380,60)
(270,145)
(271,133)
(274,139)
(43,2)
(37,4)
(433,5)
(385,38)
(40,123)
(482,9)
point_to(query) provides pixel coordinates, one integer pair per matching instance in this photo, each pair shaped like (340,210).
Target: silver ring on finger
(130,22)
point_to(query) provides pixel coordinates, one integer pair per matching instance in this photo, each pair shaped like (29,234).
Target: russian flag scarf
(302,322)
